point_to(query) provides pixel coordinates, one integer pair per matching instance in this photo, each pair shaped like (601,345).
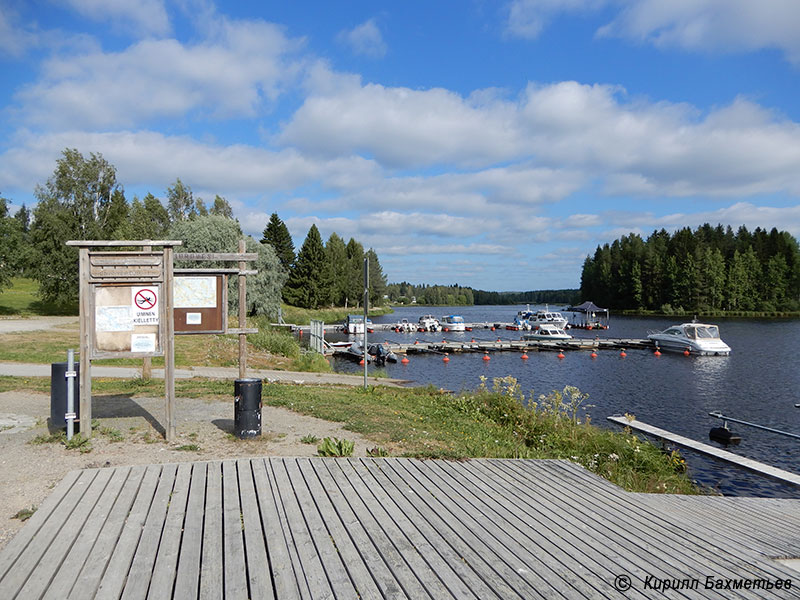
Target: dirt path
(29,471)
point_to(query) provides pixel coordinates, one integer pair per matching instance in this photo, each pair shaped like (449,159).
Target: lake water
(758,382)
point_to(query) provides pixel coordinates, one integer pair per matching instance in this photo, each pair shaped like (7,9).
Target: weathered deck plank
(88,579)
(211,561)
(286,528)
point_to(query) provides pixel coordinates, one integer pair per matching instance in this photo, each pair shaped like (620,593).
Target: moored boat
(429,323)
(696,338)
(453,323)
(354,324)
(547,331)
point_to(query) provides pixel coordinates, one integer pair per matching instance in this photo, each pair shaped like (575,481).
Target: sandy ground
(29,471)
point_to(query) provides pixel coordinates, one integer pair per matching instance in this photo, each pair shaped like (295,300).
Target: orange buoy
(622,354)
(472,340)
(444,341)
(447,329)
(492,328)
(498,339)
(686,352)
(657,352)
(524,356)
(416,341)
(404,361)
(560,354)
(361,362)
(446,359)
(593,354)
(486,356)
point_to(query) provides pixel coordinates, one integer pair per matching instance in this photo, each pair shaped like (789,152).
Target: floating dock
(397,528)
(486,346)
(718,453)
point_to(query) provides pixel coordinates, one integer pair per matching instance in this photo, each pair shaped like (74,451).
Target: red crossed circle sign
(145,299)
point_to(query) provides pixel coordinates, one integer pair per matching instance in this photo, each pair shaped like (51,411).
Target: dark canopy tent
(592,315)
(588,307)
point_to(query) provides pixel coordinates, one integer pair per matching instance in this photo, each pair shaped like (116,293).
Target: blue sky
(488,143)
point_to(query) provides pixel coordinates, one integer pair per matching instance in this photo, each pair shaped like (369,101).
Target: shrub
(335,447)
(311,362)
(274,341)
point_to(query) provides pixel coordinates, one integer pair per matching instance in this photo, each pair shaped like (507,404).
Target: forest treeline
(708,269)
(456,295)
(83,200)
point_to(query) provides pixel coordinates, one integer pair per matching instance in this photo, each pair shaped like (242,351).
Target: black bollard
(247,408)
(58,394)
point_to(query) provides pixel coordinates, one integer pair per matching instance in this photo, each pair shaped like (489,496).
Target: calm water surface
(758,382)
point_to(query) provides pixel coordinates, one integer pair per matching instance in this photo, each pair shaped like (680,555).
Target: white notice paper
(113,318)
(194,318)
(143,342)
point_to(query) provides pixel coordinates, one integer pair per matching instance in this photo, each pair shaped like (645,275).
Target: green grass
(188,448)
(495,421)
(21,300)
(25,513)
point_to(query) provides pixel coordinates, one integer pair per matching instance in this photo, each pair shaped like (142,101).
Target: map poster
(195,292)
(144,305)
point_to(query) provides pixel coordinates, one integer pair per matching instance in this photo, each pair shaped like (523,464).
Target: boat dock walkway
(314,528)
(730,457)
(486,346)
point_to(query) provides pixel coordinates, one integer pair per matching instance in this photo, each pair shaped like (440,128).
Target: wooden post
(147,361)
(168,326)
(242,313)
(87,318)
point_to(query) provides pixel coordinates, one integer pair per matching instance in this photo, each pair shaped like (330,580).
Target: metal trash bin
(247,408)
(58,394)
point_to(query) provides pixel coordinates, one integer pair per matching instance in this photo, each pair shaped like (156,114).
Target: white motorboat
(354,325)
(547,331)
(697,338)
(547,317)
(429,323)
(453,323)
(404,326)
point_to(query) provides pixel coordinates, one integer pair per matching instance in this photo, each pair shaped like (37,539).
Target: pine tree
(336,252)
(377,280)
(355,273)
(276,234)
(309,283)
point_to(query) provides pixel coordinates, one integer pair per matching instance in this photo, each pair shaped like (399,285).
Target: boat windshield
(703,332)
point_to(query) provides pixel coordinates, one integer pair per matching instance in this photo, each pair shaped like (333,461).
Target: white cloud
(365,40)
(401,127)
(528,18)
(712,25)
(236,74)
(632,145)
(143,158)
(695,25)
(142,17)
(437,249)
(15,38)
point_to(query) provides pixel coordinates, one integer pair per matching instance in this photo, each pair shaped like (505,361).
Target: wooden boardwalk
(390,528)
